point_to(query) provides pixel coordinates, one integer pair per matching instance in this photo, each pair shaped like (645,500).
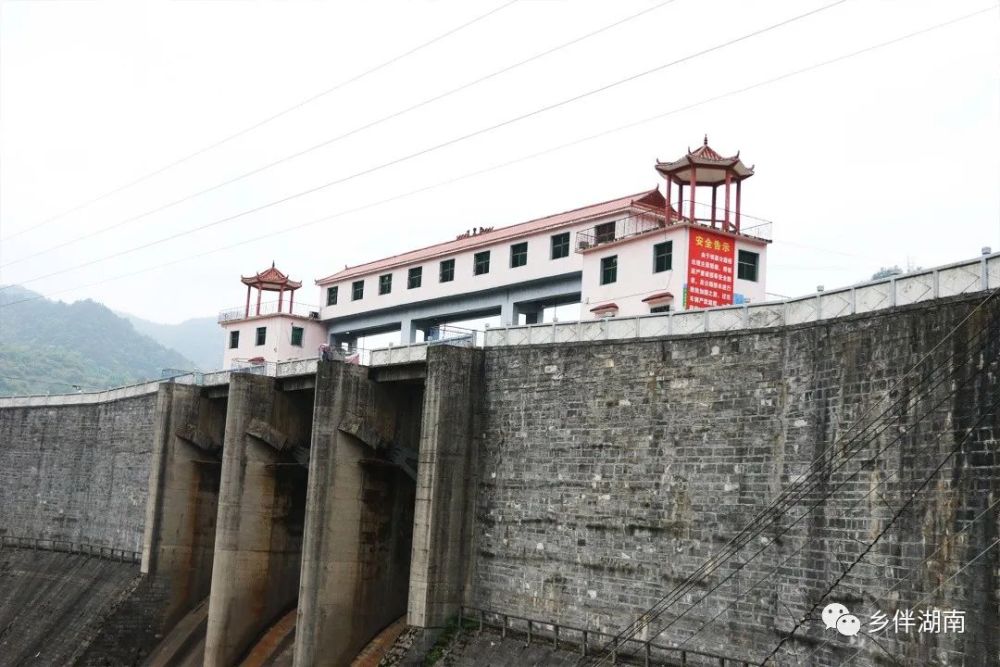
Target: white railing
(269,308)
(943,281)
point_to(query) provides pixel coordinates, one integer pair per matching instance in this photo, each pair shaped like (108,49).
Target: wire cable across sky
(263,121)
(508,163)
(450,142)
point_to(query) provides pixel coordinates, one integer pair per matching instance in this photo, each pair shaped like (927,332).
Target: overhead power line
(949,541)
(264,121)
(337,138)
(955,450)
(444,144)
(777,509)
(524,158)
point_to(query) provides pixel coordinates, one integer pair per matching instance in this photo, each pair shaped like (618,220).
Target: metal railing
(916,287)
(632,651)
(70,547)
(617,230)
(645,223)
(269,308)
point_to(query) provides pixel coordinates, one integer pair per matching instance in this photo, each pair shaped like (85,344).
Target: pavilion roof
(271,280)
(709,165)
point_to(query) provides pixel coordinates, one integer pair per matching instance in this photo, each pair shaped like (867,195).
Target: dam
(555,484)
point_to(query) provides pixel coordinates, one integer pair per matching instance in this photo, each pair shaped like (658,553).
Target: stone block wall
(77,472)
(609,471)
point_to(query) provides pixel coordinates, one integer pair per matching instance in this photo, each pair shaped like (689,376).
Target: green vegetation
(51,347)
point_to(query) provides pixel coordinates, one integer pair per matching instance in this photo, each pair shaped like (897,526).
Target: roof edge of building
(628,201)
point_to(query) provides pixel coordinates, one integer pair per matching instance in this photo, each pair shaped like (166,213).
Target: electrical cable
(262,122)
(751,531)
(436,147)
(531,156)
(958,447)
(330,141)
(949,539)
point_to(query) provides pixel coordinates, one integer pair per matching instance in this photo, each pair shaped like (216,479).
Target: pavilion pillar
(680,199)
(694,181)
(247,312)
(738,205)
(670,204)
(714,188)
(291,301)
(281,298)
(729,178)
(258,300)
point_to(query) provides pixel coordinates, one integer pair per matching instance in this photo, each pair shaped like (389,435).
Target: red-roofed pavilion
(271,280)
(704,167)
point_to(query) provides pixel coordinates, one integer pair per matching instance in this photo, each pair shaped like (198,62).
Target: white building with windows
(260,332)
(636,255)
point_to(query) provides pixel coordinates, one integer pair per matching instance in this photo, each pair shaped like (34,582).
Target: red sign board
(710,269)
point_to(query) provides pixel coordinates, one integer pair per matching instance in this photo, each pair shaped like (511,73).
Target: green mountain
(51,347)
(200,339)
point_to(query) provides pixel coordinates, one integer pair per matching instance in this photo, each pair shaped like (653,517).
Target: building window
(518,255)
(385,284)
(357,290)
(331,296)
(609,270)
(261,335)
(604,232)
(297,336)
(746,267)
(234,340)
(560,245)
(663,256)
(660,309)
(447,271)
(481,263)
(415,277)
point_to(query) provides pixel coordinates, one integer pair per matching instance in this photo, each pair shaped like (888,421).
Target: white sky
(888,158)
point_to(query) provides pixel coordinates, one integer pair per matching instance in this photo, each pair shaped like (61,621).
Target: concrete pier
(359,519)
(179,541)
(261,514)
(442,525)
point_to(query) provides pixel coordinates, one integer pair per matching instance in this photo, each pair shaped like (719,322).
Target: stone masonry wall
(78,473)
(609,471)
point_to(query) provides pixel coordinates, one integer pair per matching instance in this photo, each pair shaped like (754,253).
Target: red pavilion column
(738,206)
(729,178)
(670,204)
(246,313)
(714,189)
(291,302)
(281,298)
(258,299)
(694,181)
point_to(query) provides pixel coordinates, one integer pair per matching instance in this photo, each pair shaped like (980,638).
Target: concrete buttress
(359,516)
(261,514)
(442,525)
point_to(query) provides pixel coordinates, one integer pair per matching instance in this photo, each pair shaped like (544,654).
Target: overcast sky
(891,157)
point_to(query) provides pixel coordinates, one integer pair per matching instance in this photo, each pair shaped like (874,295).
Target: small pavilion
(271,280)
(707,168)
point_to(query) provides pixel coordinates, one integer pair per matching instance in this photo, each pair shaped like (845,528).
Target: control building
(641,254)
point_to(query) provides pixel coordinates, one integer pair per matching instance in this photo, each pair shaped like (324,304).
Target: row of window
(746,266)
(261,339)
(559,248)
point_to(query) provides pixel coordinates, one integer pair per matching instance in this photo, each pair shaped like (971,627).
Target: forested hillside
(49,347)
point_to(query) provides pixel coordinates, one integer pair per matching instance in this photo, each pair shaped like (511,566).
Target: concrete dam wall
(610,471)
(574,485)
